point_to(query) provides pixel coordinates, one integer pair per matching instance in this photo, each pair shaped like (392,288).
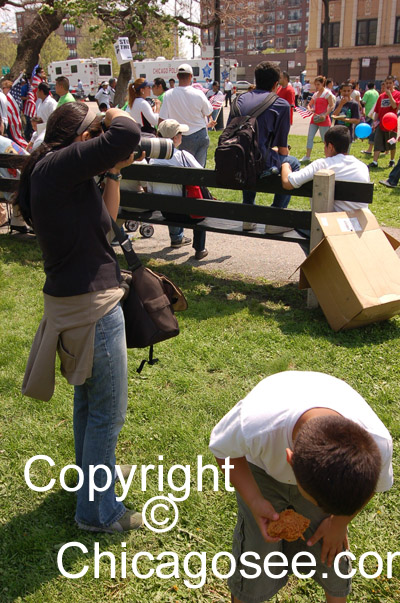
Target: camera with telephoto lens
(154,148)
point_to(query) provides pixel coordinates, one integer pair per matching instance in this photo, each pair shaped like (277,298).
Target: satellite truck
(202,69)
(91,72)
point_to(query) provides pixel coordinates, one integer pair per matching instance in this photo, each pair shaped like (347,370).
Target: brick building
(257,25)
(364,39)
(67,32)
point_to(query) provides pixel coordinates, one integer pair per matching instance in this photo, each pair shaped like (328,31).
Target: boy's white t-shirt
(260,426)
(346,167)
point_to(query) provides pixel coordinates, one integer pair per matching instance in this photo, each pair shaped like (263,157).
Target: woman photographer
(139,108)
(82,318)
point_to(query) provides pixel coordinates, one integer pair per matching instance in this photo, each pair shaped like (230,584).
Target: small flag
(217,100)
(304,112)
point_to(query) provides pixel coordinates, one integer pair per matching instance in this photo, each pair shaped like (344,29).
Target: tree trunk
(32,40)
(325,39)
(125,74)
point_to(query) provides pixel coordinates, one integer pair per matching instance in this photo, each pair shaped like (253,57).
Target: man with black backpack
(273,128)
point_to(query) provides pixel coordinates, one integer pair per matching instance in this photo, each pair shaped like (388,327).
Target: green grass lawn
(235,332)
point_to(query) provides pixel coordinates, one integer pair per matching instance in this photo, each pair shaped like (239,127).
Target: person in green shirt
(369,101)
(159,88)
(62,89)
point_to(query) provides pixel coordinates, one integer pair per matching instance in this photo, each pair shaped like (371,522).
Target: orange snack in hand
(290,526)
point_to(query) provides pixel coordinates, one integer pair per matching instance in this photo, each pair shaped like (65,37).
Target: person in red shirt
(287,92)
(388,102)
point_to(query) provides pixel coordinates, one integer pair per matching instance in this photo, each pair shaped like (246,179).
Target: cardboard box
(354,271)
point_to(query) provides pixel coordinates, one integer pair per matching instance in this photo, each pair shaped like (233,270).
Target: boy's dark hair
(266,75)
(63,81)
(337,462)
(371,85)
(159,81)
(171,79)
(45,88)
(329,80)
(339,137)
(286,75)
(347,84)
(389,77)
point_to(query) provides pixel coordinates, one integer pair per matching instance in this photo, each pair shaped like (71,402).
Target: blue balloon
(363,130)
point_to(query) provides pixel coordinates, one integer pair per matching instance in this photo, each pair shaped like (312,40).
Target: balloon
(363,130)
(389,121)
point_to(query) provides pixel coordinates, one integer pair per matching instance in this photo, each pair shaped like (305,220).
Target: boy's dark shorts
(381,140)
(247,537)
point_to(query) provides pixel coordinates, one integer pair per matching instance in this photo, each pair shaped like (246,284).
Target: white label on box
(349,224)
(324,222)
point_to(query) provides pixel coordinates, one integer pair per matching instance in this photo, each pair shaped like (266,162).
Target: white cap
(185,68)
(170,128)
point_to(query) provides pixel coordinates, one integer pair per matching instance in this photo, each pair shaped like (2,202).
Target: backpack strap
(268,102)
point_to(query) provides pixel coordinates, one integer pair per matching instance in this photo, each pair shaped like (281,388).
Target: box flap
(347,222)
(395,243)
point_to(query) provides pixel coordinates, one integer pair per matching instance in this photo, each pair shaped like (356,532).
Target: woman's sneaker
(131,520)
(184,241)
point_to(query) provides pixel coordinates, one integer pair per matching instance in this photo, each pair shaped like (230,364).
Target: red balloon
(389,121)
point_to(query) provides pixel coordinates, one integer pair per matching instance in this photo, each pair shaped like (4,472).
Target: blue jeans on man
(280,200)
(197,144)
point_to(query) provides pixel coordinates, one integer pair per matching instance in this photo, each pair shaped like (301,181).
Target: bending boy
(306,441)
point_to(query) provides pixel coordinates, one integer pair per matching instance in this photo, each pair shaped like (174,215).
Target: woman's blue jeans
(99,413)
(312,130)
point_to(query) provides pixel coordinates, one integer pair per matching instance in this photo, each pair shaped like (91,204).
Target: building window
(280,15)
(397,31)
(294,15)
(70,40)
(72,54)
(279,43)
(294,42)
(239,45)
(222,33)
(223,46)
(280,28)
(250,45)
(240,31)
(366,32)
(270,17)
(294,28)
(270,30)
(334,33)
(69,27)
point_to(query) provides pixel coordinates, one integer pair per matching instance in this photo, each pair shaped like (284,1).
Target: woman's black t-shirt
(70,219)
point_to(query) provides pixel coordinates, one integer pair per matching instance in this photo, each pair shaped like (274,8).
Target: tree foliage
(8,50)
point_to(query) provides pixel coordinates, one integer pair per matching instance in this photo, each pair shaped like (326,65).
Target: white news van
(91,72)
(202,68)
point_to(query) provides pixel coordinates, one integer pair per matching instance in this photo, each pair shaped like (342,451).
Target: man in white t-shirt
(346,167)
(297,89)
(45,105)
(310,442)
(188,105)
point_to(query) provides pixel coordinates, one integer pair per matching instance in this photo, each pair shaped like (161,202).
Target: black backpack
(238,158)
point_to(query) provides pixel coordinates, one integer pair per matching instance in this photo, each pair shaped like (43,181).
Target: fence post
(322,202)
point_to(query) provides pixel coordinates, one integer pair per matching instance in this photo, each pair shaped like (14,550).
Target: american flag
(30,103)
(217,100)
(14,121)
(304,112)
(16,91)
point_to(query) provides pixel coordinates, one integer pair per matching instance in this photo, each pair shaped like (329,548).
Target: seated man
(306,441)
(170,128)
(346,167)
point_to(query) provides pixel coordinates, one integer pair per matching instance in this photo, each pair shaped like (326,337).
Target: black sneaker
(391,163)
(373,164)
(184,241)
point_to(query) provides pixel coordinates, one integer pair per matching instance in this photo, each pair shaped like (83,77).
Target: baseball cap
(170,128)
(185,68)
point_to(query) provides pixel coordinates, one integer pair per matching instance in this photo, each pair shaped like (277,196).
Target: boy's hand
(333,531)
(263,512)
